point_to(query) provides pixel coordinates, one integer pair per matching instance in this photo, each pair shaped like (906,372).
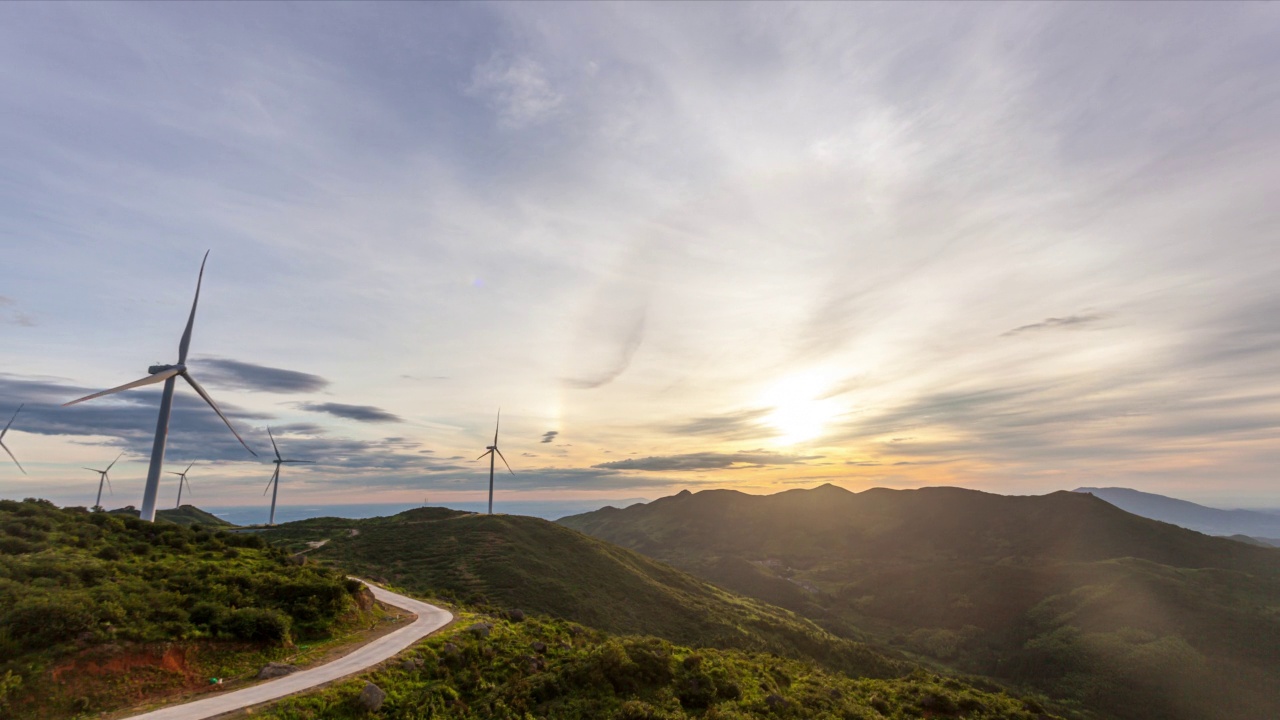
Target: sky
(1017,247)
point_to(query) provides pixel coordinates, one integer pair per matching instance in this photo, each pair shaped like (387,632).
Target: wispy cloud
(363,413)
(1058,323)
(237,375)
(706,461)
(517,88)
(549,436)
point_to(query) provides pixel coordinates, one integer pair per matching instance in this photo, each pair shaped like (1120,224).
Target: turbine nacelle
(157,369)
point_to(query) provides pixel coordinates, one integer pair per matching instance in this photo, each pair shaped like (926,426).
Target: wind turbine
(492,450)
(275,476)
(182,480)
(102,478)
(168,374)
(6,447)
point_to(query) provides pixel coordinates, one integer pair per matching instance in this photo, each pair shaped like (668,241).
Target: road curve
(430,619)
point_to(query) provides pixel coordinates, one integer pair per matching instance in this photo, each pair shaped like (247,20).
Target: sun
(801,408)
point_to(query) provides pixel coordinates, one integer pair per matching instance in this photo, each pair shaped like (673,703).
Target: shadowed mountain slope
(1131,617)
(510,562)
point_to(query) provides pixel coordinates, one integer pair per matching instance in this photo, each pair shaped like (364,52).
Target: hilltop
(1129,616)
(187,516)
(99,611)
(1210,521)
(511,562)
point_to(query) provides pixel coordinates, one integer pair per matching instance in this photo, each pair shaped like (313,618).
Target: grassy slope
(515,562)
(543,668)
(119,610)
(187,515)
(1136,617)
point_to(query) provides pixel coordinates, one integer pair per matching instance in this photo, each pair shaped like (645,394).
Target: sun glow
(802,407)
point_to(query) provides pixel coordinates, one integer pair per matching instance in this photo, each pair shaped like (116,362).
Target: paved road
(430,619)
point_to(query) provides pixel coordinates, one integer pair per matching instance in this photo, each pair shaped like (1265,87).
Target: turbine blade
(188,482)
(495,426)
(504,461)
(113,462)
(273,444)
(14,459)
(196,386)
(148,380)
(93,470)
(184,472)
(15,417)
(109,488)
(186,334)
(274,475)
(486,452)
(305,462)
(170,472)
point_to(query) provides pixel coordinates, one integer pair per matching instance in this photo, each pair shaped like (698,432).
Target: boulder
(371,697)
(275,670)
(516,615)
(480,630)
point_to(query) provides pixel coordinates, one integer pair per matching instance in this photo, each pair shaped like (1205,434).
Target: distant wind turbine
(102,478)
(182,480)
(492,450)
(168,375)
(6,447)
(274,482)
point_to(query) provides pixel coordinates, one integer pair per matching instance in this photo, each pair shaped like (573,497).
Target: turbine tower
(492,450)
(6,447)
(102,478)
(274,482)
(182,480)
(168,374)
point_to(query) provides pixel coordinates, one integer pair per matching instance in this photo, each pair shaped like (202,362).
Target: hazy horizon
(1018,248)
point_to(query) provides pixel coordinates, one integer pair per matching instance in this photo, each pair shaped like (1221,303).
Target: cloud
(517,88)
(549,435)
(706,461)
(237,375)
(1054,323)
(741,425)
(362,413)
(20,319)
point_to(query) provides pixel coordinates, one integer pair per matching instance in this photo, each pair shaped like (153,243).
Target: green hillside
(187,515)
(542,668)
(98,611)
(1131,617)
(509,562)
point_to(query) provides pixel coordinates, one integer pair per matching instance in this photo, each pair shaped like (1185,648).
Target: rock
(275,670)
(371,697)
(539,646)
(298,559)
(449,649)
(408,665)
(480,630)
(775,701)
(516,615)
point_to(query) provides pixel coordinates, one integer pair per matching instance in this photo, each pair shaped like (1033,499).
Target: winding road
(430,619)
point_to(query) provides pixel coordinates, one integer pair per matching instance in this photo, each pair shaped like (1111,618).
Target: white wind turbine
(492,450)
(6,447)
(182,480)
(168,374)
(274,482)
(102,478)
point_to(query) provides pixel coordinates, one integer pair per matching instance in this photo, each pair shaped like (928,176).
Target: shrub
(257,624)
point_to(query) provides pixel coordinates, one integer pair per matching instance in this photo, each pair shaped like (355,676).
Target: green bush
(257,624)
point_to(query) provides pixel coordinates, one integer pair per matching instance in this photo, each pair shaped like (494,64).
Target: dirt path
(430,619)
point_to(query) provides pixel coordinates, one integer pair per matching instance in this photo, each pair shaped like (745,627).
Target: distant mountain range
(1125,616)
(1210,521)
